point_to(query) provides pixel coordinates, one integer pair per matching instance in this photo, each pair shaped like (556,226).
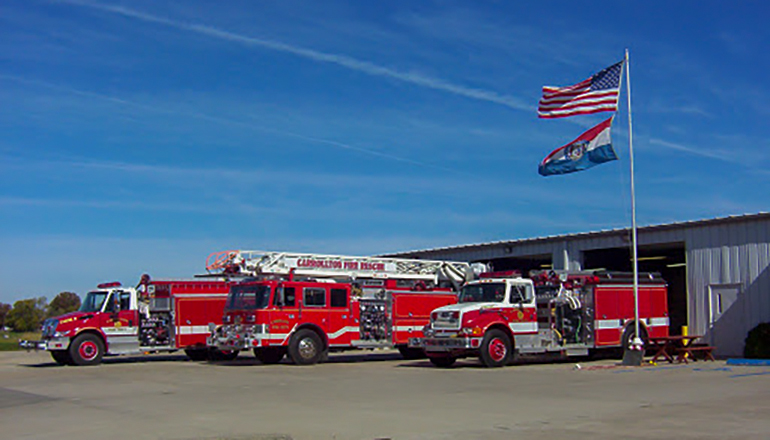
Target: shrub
(26,315)
(64,302)
(758,342)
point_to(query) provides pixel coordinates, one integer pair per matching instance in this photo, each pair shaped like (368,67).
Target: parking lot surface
(378,396)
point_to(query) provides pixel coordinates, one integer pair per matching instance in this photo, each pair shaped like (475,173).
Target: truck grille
(446,320)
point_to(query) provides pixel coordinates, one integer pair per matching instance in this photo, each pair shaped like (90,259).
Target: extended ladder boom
(256,263)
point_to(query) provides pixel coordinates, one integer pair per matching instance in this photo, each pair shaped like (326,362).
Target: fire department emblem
(576,150)
(520,315)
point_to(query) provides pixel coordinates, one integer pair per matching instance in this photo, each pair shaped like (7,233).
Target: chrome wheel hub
(307,348)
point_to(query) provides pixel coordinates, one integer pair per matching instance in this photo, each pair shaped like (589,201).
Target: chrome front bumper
(226,343)
(445,344)
(32,345)
(234,338)
(48,344)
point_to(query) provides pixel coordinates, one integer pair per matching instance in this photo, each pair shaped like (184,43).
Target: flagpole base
(633,355)
(633,358)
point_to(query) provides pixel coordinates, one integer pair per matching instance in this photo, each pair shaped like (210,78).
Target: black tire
(270,355)
(306,348)
(630,333)
(86,349)
(442,361)
(216,354)
(61,357)
(411,353)
(197,354)
(496,349)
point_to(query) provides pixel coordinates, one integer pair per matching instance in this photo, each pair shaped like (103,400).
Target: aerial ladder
(292,264)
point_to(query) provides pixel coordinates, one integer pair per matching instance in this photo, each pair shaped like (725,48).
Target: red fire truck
(503,315)
(156,316)
(308,304)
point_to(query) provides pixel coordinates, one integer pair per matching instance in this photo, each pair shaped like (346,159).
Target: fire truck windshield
(248,297)
(93,301)
(486,292)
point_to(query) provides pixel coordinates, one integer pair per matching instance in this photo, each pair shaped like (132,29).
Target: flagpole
(637,342)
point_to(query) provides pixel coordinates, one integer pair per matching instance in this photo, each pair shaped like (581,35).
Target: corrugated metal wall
(738,255)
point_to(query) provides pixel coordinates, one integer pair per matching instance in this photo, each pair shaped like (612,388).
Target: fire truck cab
(503,315)
(306,305)
(156,316)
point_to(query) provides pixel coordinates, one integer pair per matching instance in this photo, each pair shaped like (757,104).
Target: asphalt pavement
(378,395)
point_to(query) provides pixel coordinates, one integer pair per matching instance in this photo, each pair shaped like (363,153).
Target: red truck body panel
(197,303)
(343,316)
(616,303)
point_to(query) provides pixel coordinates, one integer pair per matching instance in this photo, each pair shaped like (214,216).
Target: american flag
(598,93)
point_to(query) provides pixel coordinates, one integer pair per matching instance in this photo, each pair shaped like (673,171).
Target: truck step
(577,351)
(371,344)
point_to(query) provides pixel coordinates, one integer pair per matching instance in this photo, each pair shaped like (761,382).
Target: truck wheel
(62,357)
(270,355)
(630,333)
(442,361)
(305,348)
(411,353)
(216,354)
(495,349)
(86,349)
(197,354)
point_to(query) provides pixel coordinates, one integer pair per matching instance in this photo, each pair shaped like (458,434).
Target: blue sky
(140,136)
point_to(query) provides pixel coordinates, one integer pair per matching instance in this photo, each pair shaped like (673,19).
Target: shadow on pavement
(138,359)
(352,357)
(334,358)
(472,362)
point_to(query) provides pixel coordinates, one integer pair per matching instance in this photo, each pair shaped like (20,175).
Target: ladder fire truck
(155,316)
(503,315)
(306,305)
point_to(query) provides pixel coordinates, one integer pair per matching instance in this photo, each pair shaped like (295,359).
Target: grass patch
(9,341)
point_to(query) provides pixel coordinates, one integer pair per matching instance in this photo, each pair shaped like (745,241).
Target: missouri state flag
(590,149)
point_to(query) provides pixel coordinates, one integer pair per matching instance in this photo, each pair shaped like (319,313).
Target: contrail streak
(338,59)
(225,121)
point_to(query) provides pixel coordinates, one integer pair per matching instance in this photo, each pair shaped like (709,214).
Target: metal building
(717,269)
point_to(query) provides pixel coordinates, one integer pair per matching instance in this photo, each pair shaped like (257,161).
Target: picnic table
(680,348)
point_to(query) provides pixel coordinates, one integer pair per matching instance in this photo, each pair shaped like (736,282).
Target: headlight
(470,331)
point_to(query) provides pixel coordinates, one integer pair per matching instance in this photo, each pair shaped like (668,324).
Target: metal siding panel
(724,254)
(704,267)
(736,249)
(763,276)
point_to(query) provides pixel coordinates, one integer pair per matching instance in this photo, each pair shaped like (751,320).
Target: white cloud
(703,151)
(247,124)
(348,62)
